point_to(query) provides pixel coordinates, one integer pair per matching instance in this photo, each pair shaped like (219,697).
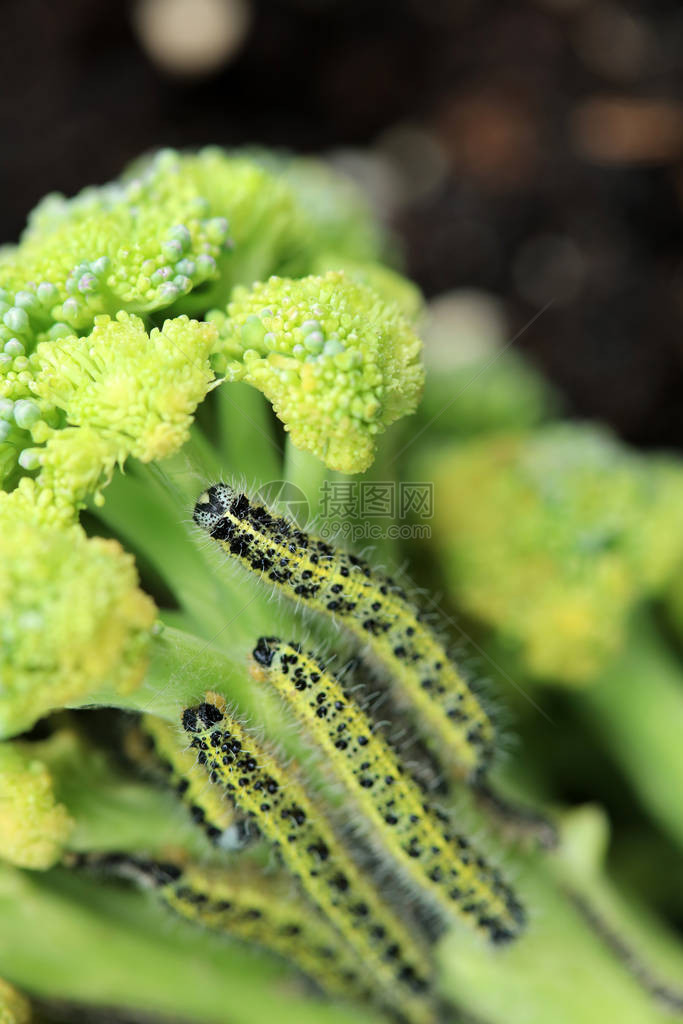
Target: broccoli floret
(137,246)
(102,264)
(268,228)
(73,617)
(338,364)
(98,399)
(553,537)
(34,826)
(388,283)
(282,213)
(338,215)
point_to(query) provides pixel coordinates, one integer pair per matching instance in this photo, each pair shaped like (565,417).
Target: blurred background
(532,151)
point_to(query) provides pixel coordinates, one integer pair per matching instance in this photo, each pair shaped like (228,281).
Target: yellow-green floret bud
(268,228)
(137,245)
(553,537)
(14,1008)
(119,391)
(337,363)
(339,216)
(72,618)
(28,501)
(282,212)
(34,826)
(388,283)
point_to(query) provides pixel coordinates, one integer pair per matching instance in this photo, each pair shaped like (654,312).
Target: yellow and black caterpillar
(446,868)
(158,747)
(299,830)
(249,905)
(372,606)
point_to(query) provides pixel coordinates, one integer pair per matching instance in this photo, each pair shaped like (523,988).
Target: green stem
(183,668)
(561,969)
(110,810)
(245,434)
(148,507)
(138,515)
(386,549)
(307,473)
(637,706)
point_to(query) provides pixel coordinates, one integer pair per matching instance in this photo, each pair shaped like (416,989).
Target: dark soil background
(540,146)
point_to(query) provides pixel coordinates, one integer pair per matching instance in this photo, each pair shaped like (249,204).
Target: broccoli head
(337,363)
(34,826)
(73,617)
(553,537)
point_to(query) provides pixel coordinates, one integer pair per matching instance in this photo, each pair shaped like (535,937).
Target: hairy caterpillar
(445,867)
(371,606)
(251,906)
(222,824)
(308,846)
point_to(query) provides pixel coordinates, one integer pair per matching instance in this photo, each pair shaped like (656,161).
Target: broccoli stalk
(643,737)
(577,975)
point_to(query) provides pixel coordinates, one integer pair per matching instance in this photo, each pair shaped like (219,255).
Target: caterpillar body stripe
(251,906)
(309,847)
(445,867)
(222,824)
(371,606)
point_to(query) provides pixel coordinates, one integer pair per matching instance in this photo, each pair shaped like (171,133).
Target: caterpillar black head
(265,650)
(212,505)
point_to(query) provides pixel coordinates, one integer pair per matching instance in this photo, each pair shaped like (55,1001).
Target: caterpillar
(444,867)
(160,741)
(308,845)
(251,906)
(371,606)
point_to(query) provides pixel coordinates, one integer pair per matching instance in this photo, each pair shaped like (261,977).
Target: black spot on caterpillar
(371,606)
(444,867)
(307,844)
(249,905)
(222,824)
